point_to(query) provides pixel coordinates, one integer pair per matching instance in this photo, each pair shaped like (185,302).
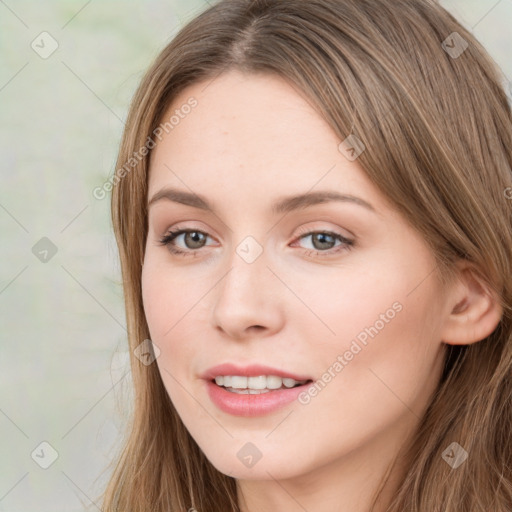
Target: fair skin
(251,140)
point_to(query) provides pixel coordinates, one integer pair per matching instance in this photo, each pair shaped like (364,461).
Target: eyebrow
(282,205)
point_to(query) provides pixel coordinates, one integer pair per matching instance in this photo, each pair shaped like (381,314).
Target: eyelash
(345,245)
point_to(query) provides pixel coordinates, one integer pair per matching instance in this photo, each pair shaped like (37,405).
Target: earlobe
(473,310)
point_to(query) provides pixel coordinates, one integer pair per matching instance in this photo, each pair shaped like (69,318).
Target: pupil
(193,237)
(320,236)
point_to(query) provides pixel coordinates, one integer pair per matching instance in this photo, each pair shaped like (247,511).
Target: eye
(195,239)
(192,237)
(323,242)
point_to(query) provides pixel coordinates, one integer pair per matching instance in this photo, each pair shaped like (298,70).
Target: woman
(272,371)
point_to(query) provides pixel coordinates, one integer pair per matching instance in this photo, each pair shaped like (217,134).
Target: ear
(473,310)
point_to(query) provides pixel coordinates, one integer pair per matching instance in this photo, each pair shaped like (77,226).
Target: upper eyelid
(178,227)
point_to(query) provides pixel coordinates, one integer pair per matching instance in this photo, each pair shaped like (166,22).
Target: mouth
(254,396)
(256,385)
(253,390)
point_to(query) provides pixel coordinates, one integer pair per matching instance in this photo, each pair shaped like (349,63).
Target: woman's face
(340,293)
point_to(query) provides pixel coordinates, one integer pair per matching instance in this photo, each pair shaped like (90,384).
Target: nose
(248,300)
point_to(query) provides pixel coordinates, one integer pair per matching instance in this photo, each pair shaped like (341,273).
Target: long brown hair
(428,103)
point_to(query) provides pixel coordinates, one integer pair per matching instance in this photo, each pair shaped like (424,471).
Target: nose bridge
(248,266)
(245,296)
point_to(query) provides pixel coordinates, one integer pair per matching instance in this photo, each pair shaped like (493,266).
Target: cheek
(344,303)
(380,327)
(175,309)
(391,361)
(166,298)
(165,307)
(155,298)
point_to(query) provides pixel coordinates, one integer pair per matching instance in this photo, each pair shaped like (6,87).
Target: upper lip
(253,370)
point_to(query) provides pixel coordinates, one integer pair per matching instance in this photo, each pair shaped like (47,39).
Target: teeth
(289,383)
(274,382)
(257,384)
(248,391)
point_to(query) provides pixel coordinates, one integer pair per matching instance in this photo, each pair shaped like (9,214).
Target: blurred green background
(68,70)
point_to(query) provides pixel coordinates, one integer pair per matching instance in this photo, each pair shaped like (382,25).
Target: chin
(266,468)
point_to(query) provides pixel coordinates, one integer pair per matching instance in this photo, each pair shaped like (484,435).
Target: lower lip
(252,405)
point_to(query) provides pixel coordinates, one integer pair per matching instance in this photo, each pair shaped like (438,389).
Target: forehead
(246,112)
(252,133)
